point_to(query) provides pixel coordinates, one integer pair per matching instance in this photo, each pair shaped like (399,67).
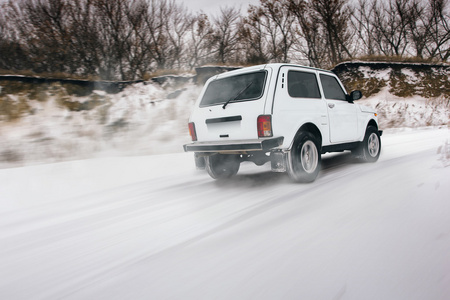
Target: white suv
(282,113)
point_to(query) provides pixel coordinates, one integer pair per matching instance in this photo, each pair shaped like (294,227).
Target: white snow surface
(102,204)
(154,227)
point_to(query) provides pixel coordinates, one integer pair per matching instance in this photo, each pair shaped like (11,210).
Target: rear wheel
(221,166)
(304,158)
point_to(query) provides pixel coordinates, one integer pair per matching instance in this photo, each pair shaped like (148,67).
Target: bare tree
(156,35)
(363,24)
(252,38)
(114,34)
(391,22)
(127,39)
(439,30)
(283,20)
(309,38)
(199,44)
(84,37)
(177,24)
(138,55)
(43,29)
(12,53)
(323,34)
(274,23)
(225,34)
(334,15)
(419,29)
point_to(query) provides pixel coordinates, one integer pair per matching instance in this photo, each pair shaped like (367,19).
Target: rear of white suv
(286,114)
(230,104)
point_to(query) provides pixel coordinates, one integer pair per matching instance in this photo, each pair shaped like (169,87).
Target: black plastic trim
(224,119)
(245,145)
(340,147)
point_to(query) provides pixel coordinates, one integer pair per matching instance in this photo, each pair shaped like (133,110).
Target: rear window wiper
(238,94)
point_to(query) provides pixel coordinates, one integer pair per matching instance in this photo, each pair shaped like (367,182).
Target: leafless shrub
(129,39)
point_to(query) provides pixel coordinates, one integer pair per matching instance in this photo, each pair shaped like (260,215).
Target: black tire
(370,149)
(220,166)
(304,159)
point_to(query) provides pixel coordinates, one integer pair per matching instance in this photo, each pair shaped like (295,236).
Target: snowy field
(153,227)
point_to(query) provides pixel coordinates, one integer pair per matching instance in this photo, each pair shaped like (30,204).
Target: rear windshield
(243,87)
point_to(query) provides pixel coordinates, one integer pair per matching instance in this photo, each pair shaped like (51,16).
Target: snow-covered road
(153,227)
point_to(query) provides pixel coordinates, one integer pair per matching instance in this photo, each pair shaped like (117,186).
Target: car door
(342,114)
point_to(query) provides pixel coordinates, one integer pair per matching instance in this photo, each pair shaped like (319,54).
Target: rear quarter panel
(289,113)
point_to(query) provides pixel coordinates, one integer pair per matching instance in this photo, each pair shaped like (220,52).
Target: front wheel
(370,148)
(304,159)
(220,166)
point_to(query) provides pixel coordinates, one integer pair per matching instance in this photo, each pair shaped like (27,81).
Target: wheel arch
(309,127)
(363,130)
(373,123)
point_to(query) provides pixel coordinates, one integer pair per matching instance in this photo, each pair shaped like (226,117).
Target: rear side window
(302,85)
(243,87)
(332,88)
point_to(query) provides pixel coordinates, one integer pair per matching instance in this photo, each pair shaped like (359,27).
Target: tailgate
(229,105)
(237,122)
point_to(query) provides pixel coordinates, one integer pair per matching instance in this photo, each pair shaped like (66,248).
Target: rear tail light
(192,131)
(265,126)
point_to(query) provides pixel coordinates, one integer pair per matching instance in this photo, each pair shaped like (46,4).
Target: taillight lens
(265,126)
(192,131)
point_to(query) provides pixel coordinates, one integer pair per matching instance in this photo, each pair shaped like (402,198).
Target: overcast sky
(213,6)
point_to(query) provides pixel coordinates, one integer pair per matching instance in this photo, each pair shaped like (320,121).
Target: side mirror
(355,95)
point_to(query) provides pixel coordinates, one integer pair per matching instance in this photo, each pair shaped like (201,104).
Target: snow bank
(412,112)
(144,118)
(151,118)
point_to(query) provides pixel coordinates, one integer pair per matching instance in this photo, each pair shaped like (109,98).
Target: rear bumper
(241,145)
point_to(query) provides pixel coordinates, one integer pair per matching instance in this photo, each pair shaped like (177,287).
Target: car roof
(275,66)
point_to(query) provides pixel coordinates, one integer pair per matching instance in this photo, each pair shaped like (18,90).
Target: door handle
(330,105)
